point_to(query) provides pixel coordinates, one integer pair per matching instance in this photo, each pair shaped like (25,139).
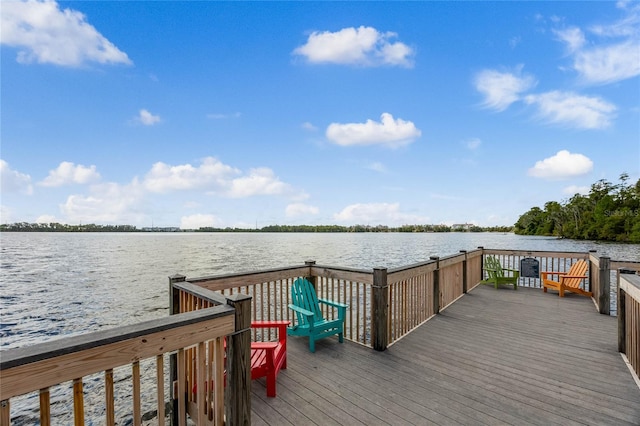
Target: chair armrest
(552,273)
(303,311)
(264,345)
(574,276)
(332,303)
(269,324)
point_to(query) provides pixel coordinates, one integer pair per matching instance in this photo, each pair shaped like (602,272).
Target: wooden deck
(493,357)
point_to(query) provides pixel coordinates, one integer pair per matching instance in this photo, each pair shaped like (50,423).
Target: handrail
(38,367)
(629,318)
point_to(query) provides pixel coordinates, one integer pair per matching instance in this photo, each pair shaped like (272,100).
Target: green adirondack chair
(498,275)
(309,319)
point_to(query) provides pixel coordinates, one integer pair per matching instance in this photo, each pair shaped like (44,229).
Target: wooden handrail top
(201,292)
(630,283)
(11,358)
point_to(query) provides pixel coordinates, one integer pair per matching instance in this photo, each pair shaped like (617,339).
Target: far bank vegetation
(609,212)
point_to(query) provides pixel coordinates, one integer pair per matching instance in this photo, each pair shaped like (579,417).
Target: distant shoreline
(57,227)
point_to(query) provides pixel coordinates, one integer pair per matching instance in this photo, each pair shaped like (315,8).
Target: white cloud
(377,167)
(501,89)
(363,46)
(613,54)
(146,118)
(14,181)
(46,34)
(573,37)
(563,165)
(388,132)
(473,144)
(377,213)
(575,189)
(46,218)
(221,116)
(583,112)
(609,64)
(300,209)
(210,175)
(308,126)
(216,178)
(106,203)
(197,221)
(259,181)
(68,173)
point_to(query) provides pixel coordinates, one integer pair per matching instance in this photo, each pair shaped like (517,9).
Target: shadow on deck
(493,357)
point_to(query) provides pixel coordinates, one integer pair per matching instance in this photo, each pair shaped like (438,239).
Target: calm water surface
(60,284)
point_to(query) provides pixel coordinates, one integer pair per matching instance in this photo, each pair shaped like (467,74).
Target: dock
(424,344)
(493,357)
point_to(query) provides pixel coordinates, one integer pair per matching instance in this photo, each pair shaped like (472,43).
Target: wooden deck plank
(493,357)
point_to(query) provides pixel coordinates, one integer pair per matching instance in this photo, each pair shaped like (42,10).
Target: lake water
(55,284)
(60,284)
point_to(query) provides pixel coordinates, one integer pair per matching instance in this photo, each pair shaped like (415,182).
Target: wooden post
(312,279)
(174,308)
(604,285)
(237,394)
(481,262)
(591,272)
(380,310)
(464,272)
(622,314)
(622,330)
(436,285)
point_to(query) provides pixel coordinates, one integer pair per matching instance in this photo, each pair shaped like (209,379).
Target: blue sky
(241,114)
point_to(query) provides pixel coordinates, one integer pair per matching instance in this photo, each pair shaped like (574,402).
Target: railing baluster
(109,398)
(218,385)
(78,403)
(182,391)
(5,413)
(201,384)
(45,407)
(137,412)
(160,388)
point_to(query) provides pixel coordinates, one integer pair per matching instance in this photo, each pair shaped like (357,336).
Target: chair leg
(271,384)
(340,337)
(312,344)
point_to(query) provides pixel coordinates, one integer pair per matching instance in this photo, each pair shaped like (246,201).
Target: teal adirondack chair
(310,321)
(497,275)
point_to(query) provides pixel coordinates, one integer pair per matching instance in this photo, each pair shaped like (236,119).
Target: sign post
(529,268)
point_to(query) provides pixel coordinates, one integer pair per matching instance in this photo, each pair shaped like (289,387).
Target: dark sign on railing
(529,268)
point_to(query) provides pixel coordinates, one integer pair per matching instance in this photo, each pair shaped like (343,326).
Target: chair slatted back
(494,269)
(304,295)
(578,269)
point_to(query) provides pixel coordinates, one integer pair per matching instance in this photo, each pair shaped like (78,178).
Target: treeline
(58,227)
(362,228)
(608,213)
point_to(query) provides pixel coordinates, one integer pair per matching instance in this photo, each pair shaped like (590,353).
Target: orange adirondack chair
(567,281)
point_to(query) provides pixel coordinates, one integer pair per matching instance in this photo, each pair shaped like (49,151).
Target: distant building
(159,229)
(461,226)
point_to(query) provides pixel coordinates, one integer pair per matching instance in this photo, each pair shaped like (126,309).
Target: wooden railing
(384,305)
(629,319)
(69,363)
